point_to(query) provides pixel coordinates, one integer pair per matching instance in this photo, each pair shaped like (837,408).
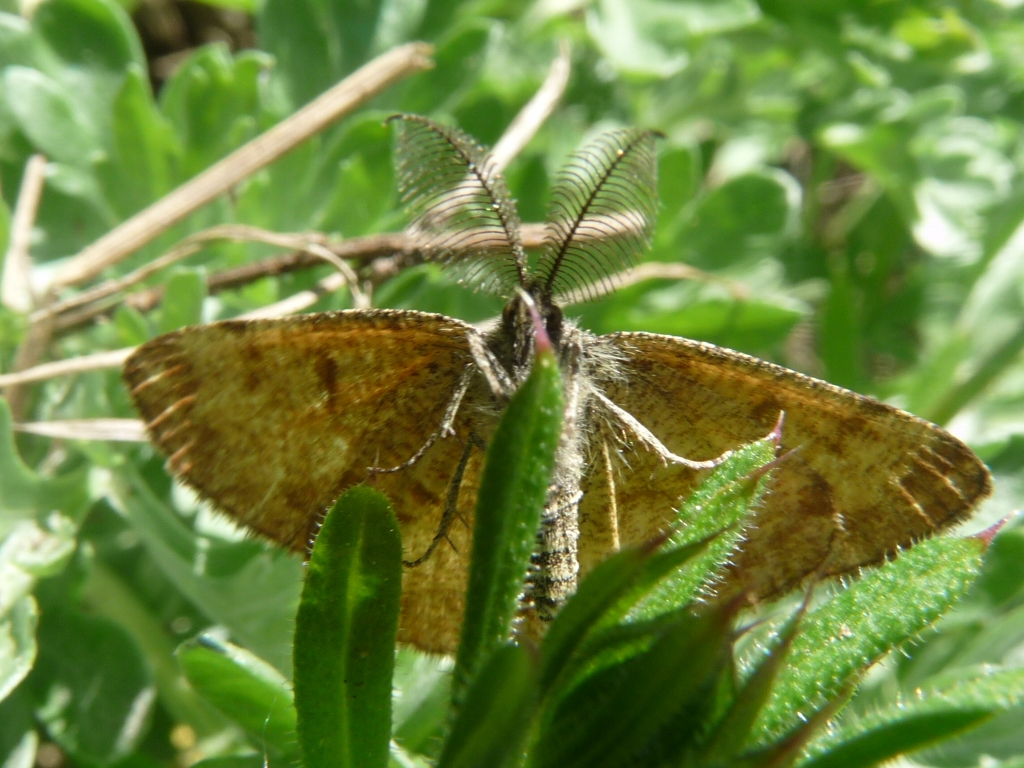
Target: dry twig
(97,361)
(16,285)
(124,430)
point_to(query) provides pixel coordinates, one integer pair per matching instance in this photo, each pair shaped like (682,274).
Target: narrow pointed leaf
(23,492)
(183,300)
(513,489)
(611,717)
(600,591)
(885,608)
(496,714)
(710,525)
(918,722)
(715,512)
(345,635)
(244,687)
(731,732)
(234,761)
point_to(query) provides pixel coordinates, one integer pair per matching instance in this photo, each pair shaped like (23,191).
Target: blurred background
(845,179)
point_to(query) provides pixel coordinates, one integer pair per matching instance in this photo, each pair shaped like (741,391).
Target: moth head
(518,326)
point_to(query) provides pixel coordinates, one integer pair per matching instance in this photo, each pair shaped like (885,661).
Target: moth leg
(652,443)
(451,504)
(497,377)
(443,431)
(613,506)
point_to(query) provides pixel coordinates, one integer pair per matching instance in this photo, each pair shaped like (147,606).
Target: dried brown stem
(97,361)
(652,270)
(376,257)
(16,285)
(538,109)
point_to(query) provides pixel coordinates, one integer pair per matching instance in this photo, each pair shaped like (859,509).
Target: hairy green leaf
(345,635)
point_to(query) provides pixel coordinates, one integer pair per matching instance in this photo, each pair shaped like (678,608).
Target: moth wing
(867,478)
(272,419)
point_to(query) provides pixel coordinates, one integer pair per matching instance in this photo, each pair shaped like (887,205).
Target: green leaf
(182,304)
(513,489)
(132,326)
(422,686)
(18,647)
(841,327)
(246,6)
(929,717)
(621,33)
(93,34)
(456,67)
(234,761)
(31,552)
(24,494)
(5,233)
(358,190)
(732,730)
(345,634)
(679,179)
(746,215)
(883,151)
(107,594)
(93,688)
(611,717)
(145,151)
(496,712)
(715,512)
(74,197)
(760,319)
(244,687)
(1002,579)
(601,591)
(28,553)
(875,614)
(50,117)
(227,581)
(317,43)
(213,100)
(18,44)
(18,737)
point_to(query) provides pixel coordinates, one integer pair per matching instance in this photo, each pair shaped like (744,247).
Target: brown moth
(272,419)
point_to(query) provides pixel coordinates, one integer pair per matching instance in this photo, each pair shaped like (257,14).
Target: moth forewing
(272,419)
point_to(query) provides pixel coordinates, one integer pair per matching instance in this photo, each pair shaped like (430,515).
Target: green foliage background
(848,174)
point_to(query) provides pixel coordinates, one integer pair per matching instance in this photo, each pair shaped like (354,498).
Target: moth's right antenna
(603,207)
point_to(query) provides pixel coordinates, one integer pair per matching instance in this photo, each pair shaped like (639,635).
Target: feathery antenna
(603,208)
(463,216)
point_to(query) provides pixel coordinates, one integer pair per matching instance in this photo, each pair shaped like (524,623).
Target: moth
(271,420)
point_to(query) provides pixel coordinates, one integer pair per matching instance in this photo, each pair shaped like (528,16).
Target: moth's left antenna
(462,214)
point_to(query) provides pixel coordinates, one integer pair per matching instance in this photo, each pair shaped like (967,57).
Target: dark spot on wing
(327,371)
